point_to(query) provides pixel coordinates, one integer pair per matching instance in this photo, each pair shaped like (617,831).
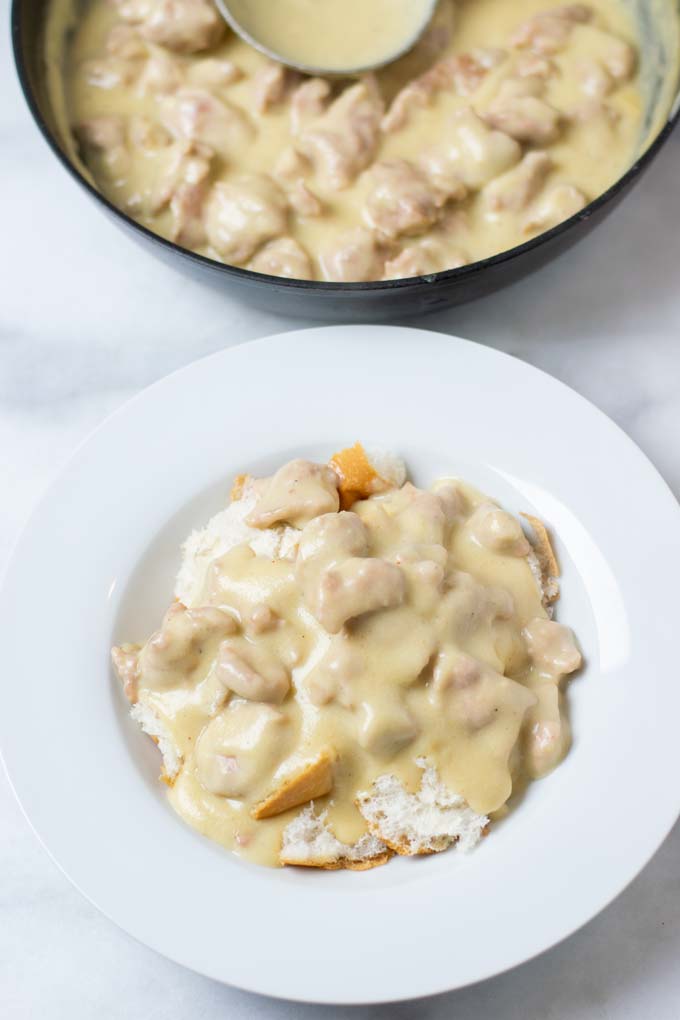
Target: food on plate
(354,667)
(506,118)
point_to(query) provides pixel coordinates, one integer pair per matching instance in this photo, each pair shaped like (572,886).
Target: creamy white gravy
(503,120)
(333,34)
(412,625)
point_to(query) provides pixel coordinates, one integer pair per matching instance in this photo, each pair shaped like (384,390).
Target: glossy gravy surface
(497,126)
(333,34)
(412,625)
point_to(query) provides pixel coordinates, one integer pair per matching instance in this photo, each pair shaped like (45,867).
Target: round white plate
(96,564)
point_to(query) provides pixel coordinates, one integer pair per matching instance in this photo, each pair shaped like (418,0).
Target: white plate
(96,564)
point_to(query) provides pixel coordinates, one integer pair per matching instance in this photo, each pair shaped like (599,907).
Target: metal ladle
(226,9)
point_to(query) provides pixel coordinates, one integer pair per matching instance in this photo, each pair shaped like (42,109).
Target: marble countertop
(87,320)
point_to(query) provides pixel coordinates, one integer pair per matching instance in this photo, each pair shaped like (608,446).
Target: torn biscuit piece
(545,556)
(152,725)
(309,843)
(363,473)
(425,822)
(126,664)
(223,532)
(313,779)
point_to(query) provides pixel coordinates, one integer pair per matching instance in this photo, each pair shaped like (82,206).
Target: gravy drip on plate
(506,118)
(411,626)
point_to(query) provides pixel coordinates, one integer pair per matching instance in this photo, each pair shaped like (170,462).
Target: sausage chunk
(557,205)
(353,587)
(354,257)
(243,214)
(249,671)
(342,141)
(283,257)
(475,153)
(298,492)
(548,32)
(498,531)
(403,200)
(196,115)
(177,648)
(239,748)
(422,259)
(515,189)
(522,114)
(552,648)
(185,26)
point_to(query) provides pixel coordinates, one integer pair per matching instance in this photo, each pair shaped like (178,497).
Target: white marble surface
(86,320)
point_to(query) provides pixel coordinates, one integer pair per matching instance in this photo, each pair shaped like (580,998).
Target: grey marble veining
(86,320)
